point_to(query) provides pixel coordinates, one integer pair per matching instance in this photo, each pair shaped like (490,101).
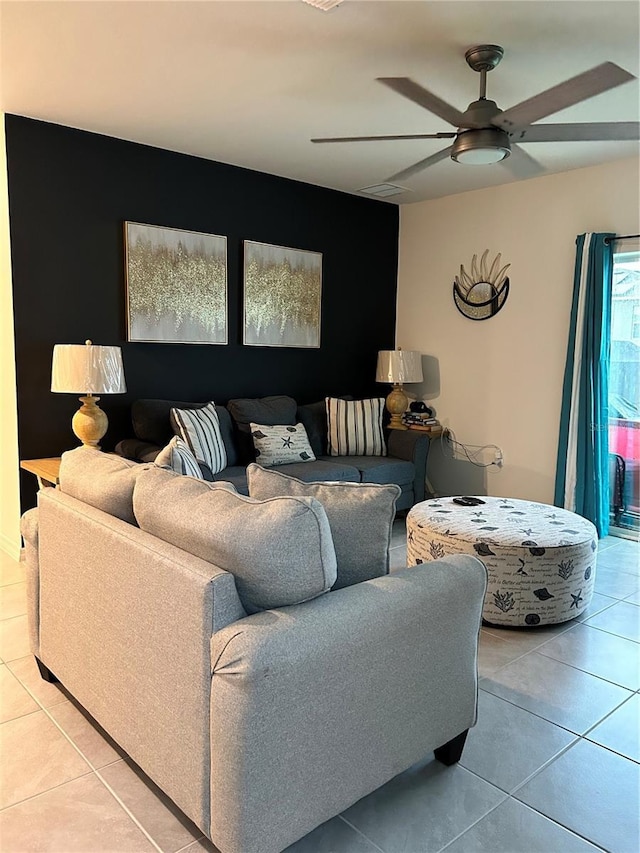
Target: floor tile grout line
(611,749)
(604,631)
(47,791)
(547,763)
(186,846)
(475,822)
(360,833)
(539,716)
(617,708)
(95,771)
(572,666)
(524,654)
(586,671)
(564,826)
(11,583)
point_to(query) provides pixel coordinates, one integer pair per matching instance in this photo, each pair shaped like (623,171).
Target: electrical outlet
(498,459)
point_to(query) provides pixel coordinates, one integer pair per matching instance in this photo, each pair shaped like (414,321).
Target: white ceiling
(249,83)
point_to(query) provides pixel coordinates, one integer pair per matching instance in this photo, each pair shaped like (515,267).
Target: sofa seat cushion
(321,470)
(380,469)
(102,480)
(279,551)
(234,474)
(360,515)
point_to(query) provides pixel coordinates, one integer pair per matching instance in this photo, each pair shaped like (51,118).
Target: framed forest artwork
(282,296)
(176,285)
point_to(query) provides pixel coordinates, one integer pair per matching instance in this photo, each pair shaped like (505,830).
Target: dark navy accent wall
(69,193)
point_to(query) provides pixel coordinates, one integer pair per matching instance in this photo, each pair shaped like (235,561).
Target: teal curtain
(582,475)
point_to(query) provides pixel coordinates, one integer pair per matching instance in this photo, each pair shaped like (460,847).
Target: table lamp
(88,370)
(396,367)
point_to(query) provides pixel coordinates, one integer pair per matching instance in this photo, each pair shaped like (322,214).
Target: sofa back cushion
(102,480)
(151,423)
(314,418)
(280,550)
(272,411)
(360,516)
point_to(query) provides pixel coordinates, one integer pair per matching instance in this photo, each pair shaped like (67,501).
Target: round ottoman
(541,560)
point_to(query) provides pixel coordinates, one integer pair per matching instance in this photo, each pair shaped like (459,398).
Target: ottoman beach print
(540,560)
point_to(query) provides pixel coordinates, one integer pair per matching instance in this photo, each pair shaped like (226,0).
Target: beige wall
(9,489)
(500,380)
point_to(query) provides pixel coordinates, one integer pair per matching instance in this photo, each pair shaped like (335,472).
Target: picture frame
(176,285)
(282,296)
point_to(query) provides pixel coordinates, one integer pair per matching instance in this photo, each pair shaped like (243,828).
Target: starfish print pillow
(281,445)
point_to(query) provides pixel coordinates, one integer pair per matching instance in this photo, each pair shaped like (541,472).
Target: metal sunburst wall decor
(482,293)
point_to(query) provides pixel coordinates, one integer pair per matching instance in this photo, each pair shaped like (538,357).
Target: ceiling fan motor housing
(479,114)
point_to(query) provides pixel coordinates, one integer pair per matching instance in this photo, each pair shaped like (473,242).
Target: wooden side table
(46,470)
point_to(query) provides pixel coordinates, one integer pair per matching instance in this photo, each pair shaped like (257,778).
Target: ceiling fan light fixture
(481,147)
(323,5)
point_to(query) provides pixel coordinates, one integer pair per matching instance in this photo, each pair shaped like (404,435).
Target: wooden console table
(46,470)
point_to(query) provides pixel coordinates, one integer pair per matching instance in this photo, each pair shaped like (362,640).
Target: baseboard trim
(9,546)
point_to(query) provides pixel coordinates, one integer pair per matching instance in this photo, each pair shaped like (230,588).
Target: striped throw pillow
(354,427)
(177,456)
(200,429)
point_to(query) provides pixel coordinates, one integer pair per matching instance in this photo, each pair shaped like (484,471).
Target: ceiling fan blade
(572,91)
(584,132)
(420,165)
(521,164)
(416,93)
(383,138)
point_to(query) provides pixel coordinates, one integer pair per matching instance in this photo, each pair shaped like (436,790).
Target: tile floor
(553,764)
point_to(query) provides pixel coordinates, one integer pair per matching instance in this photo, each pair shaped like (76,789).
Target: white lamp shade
(87,369)
(399,366)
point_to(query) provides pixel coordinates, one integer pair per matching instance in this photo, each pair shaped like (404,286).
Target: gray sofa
(259,726)
(405,463)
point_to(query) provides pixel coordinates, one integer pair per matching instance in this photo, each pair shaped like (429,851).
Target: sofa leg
(45,673)
(451,752)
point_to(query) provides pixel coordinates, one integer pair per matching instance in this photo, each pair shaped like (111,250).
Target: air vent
(324,5)
(383,190)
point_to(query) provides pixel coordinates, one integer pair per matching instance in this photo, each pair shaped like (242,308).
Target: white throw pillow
(280,445)
(200,430)
(177,456)
(354,427)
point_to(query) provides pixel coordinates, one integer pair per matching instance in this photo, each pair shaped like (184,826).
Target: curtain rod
(608,240)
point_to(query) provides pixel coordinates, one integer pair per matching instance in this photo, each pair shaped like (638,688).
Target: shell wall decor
(482,293)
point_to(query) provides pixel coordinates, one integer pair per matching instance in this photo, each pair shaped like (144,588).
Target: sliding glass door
(624,394)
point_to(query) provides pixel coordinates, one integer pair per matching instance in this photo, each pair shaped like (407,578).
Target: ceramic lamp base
(397,403)
(90,422)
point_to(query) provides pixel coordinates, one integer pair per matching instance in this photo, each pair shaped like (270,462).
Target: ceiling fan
(486,134)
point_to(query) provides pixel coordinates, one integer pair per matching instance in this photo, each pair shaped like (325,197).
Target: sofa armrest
(125,624)
(319,704)
(29,531)
(139,451)
(413,446)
